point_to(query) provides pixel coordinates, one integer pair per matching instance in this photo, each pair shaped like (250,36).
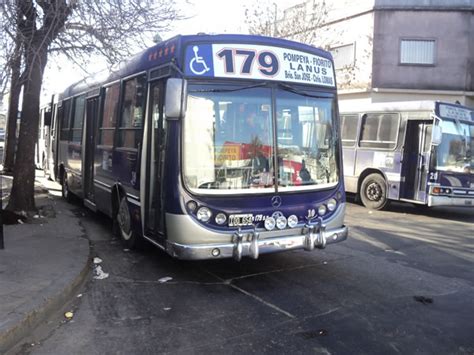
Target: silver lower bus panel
(188,240)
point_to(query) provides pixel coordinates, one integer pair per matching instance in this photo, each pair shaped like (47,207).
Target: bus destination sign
(247,61)
(457,113)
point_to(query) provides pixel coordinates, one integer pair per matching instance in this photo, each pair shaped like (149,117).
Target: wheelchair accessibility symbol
(198,65)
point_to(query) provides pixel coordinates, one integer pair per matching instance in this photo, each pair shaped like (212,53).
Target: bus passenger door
(416,157)
(424,162)
(92,109)
(152,163)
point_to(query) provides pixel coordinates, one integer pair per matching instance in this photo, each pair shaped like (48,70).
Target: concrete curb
(45,266)
(13,336)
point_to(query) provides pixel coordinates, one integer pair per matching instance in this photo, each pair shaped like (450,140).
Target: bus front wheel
(123,226)
(373,192)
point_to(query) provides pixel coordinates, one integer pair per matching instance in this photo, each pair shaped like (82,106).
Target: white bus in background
(420,152)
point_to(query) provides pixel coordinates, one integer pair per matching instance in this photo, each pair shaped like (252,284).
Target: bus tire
(123,226)
(65,192)
(373,192)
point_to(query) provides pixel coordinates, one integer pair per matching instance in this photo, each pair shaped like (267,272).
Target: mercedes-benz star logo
(276,201)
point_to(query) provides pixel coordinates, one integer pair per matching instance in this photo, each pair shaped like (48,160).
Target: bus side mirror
(175,99)
(436,135)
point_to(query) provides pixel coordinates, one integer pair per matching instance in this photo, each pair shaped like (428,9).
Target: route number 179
(267,61)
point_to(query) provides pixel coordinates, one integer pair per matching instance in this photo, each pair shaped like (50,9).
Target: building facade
(401,50)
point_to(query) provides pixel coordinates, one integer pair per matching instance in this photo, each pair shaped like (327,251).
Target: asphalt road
(402,283)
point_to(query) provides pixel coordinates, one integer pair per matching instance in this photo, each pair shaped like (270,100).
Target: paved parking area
(402,283)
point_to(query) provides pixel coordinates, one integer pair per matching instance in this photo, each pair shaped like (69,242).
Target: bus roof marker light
(269,223)
(204,214)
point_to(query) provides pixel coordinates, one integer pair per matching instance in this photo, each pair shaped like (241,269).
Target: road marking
(255,297)
(271,305)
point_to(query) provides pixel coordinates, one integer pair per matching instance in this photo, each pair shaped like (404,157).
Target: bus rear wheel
(373,192)
(123,226)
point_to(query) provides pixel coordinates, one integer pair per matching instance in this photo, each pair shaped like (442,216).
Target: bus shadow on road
(460,214)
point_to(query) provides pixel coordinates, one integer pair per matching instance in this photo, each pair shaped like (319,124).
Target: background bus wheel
(123,227)
(65,189)
(373,192)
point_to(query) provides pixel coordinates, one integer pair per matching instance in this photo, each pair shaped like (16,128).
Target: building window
(379,130)
(344,56)
(417,51)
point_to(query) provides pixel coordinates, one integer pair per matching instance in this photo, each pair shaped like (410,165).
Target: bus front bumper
(249,243)
(434,201)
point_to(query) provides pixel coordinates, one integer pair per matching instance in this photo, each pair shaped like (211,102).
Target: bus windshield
(456,148)
(230,136)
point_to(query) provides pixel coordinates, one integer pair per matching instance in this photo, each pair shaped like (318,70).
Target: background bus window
(349,129)
(78,119)
(109,118)
(64,117)
(133,108)
(379,130)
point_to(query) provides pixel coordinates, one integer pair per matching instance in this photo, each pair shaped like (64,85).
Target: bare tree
(302,22)
(308,22)
(11,42)
(112,28)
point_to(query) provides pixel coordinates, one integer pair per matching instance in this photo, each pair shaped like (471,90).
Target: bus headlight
(204,214)
(192,205)
(221,218)
(269,223)
(292,221)
(332,204)
(281,222)
(322,210)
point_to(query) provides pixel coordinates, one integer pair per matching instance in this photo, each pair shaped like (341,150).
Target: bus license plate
(468,202)
(238,220)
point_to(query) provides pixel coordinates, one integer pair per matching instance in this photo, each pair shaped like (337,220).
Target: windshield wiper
(300,92)
(231,90)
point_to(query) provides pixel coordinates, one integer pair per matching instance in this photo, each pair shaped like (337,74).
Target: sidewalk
(42,265)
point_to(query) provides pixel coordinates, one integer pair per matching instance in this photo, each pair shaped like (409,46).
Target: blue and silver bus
(419,152)
(209,147)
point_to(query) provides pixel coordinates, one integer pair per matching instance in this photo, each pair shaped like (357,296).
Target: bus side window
(349,129)
(379,130)
(368,134)
(133,110)
(64,117)
(109,117)
(77,119)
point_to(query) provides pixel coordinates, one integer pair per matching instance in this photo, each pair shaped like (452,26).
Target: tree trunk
(10,137)
(22,192)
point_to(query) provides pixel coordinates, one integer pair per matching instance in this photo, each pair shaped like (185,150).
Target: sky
(208,16)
